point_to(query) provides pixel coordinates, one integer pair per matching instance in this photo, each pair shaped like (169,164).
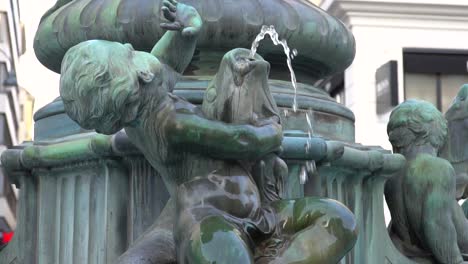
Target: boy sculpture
(428,225)
(456,149)
(218,214)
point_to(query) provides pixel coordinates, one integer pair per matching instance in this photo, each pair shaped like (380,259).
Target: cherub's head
(101,84)
(416,123)
(459,108)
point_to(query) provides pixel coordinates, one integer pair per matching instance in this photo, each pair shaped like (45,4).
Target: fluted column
(357,179)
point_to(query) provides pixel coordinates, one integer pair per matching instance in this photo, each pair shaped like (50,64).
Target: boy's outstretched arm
(177,45)
(219,140)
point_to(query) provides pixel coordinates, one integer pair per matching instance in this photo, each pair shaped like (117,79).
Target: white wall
(41,82)
(382,28)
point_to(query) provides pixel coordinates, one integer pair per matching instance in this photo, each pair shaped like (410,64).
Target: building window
(386,87)
(435,75)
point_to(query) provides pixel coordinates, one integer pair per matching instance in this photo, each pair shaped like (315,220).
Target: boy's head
(100,83)
(416,122)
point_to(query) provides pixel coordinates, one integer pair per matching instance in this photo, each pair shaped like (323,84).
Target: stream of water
(309,167)
(271,31)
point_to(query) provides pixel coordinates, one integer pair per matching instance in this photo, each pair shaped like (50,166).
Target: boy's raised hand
(181,17)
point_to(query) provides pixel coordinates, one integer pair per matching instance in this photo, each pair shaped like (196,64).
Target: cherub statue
(456,149)
(428,225)
(218,216)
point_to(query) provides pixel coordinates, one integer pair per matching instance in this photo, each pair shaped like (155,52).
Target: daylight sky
(38,80)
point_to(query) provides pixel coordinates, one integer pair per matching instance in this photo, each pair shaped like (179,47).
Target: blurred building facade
(404,49)
(15,102)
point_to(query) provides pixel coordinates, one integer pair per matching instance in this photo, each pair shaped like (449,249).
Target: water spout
(270,30)
(310,167)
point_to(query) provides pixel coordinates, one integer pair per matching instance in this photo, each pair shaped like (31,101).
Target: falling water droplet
(310,131)
(309,123)
(303,175)
(308,144)
(270,30)
(293,54)
(311,166)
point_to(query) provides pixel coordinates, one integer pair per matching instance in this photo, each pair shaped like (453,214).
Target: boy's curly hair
(417,122)
(95,84)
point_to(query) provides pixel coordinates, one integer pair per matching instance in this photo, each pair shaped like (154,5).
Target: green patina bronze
(465,208)
(207,168)
(428,225)
(456,149)
(227,25)
(219,216)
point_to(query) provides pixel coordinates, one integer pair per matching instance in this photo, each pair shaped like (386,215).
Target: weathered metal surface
(149,196)
(103,195)
(465,208)
(70,214)
(456,148)
(91,205)
(428,223)
(357,179)
(329,119)
(324,44)
(79,202)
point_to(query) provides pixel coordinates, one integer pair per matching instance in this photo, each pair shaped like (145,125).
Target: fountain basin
(325,46)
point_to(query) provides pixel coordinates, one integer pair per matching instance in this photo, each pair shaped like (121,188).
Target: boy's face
(117,105)
(108,124)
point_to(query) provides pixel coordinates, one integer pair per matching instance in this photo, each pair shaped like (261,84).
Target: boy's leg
(215,240)
(319,230)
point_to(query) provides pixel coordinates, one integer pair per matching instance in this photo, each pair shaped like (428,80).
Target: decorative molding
(93,147)
(399,13)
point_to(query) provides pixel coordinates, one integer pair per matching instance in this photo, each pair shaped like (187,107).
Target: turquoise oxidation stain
(216,231)
(321,231)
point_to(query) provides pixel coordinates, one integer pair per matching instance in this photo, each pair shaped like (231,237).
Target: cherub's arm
(220,140)
(177,45)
